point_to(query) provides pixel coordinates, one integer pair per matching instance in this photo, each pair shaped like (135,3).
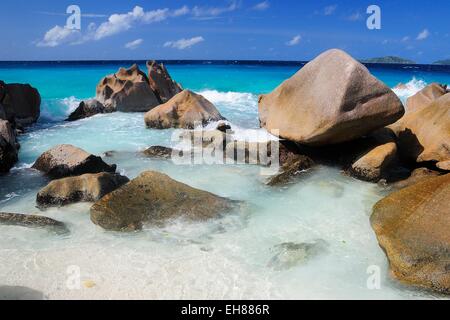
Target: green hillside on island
(388,59)
(444,62)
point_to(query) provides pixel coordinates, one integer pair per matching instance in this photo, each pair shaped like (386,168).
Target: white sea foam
(409,89)
(58,109)
(236,100)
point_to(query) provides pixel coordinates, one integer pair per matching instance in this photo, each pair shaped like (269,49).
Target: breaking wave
(404,91)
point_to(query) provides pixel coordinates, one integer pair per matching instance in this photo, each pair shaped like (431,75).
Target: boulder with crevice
(412,226)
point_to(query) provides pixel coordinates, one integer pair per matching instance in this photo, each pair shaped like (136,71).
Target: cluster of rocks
(121,204)
(336,112)
(19,107)
(130,90)
(332,111)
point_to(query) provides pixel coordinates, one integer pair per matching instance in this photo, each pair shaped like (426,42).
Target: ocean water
(240,256)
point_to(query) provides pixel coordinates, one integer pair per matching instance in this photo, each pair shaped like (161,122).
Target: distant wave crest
(409,89)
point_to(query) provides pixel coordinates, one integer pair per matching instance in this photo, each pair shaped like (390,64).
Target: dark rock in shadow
(20,293)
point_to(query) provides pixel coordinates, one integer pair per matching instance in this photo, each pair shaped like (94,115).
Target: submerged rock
(154,198)
(185,110)
(291,254)
(293,166)
(21,103)
(160,152)
(128,90)
(412,226)
(425,96)
(9,147)
(66,160)
(88,109)
(424,135)
(161,83)
(84,188)
(34,221)
(372,166)
(332,99)
(14,293)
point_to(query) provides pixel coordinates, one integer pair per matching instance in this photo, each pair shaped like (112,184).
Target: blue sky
(223,29)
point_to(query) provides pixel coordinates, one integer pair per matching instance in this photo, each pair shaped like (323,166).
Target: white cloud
(183,43)
(294,41)
(423,35)
(181,12)
(214,11)
(116,23)
(329,10)
(262,6)
(134,44)
(406,38)
(58,35)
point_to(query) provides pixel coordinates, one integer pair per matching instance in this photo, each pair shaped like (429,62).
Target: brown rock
(293,166)
(372,165)
(34,221)
(185,110)
(128,91)
(425,96)
(154,198)
(332,99)
(161,82)
(87,109)
(444,165)
(412,226)
(9,147)
(21,103)
(424,135)
(85,188)
(66,160)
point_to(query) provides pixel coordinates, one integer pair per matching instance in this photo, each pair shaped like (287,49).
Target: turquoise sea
(237,257)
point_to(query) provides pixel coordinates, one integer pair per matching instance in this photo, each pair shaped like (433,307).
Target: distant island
(388,59)
(446,62)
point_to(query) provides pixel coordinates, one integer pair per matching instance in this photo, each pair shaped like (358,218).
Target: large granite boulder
(9,146)
(19,103)
(332,99)
(424,135)
(425,96)
(184,110)
(85,188)
(128,90)
(32,221)
(67,160)
(161,83)
(372,165)
(412,226)
(154,198)
(88,109)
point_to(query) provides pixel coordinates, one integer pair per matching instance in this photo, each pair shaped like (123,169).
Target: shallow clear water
(236,257)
